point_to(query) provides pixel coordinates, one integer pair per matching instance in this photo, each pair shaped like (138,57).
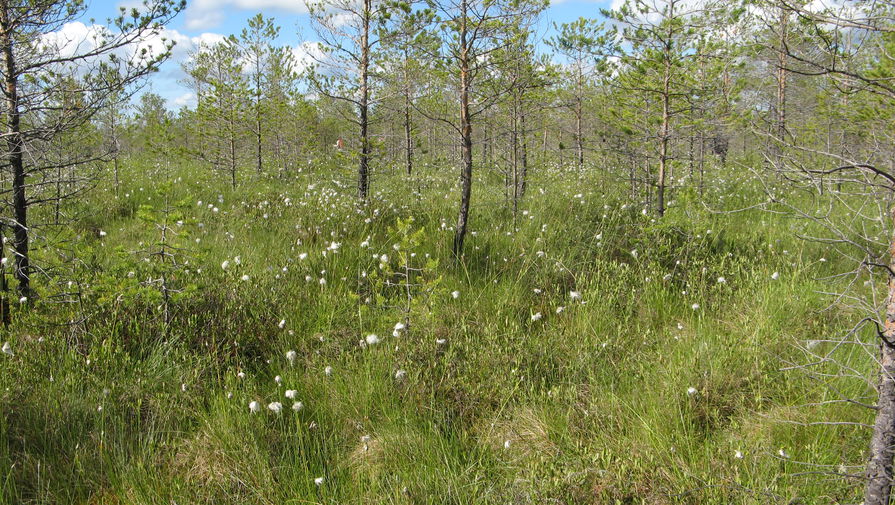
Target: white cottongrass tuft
(275,407)
(291,394)
(455,294)
(691,391)
(372,339)
(254,406)
(290,356)
(7,349)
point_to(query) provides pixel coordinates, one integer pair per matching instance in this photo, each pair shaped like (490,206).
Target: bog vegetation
(438,259)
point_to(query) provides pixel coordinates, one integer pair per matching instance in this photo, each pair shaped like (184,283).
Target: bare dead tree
(853,193)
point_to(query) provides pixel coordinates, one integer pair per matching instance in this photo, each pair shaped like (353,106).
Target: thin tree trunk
(524,180)
(781,73)
(579,143)
(5,315)
(514,156)
(408,125)
(258,143)
(701,166)
(116,146)
(691,163)
(57,202)
(232,160)
(363,167)
(663,141)
(466,136)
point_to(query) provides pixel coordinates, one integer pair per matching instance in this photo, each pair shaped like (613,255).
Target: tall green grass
(106,402)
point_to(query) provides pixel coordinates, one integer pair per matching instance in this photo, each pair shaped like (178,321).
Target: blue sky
(209,19)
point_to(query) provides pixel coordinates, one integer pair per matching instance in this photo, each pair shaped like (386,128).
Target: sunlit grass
(657,381)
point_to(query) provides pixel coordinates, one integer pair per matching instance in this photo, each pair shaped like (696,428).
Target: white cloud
(205,14)
(197,20)
(307,54)
(74,38)
(185,100)
(207,39)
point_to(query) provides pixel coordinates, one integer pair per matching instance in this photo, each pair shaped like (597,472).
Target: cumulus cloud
(78,39)
(185,100)
(74,38)
(206,39)
(306,54)
(205,14)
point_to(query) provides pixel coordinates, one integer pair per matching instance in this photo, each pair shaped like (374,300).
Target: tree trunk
(232,160)
(579,143)
(781,73)
(514,155)
(57,202)
(663,148)
(258,143)
(14,149)
(524,180)
(116,147)
(879,467)
(702,167)
(5,315)
(466,137)
(408,125)
(363,167)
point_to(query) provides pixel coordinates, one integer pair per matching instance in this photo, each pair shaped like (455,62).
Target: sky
(211,20)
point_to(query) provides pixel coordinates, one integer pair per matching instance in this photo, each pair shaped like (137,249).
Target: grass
(105,401)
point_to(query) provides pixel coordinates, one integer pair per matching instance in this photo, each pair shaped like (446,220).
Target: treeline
(653,93)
